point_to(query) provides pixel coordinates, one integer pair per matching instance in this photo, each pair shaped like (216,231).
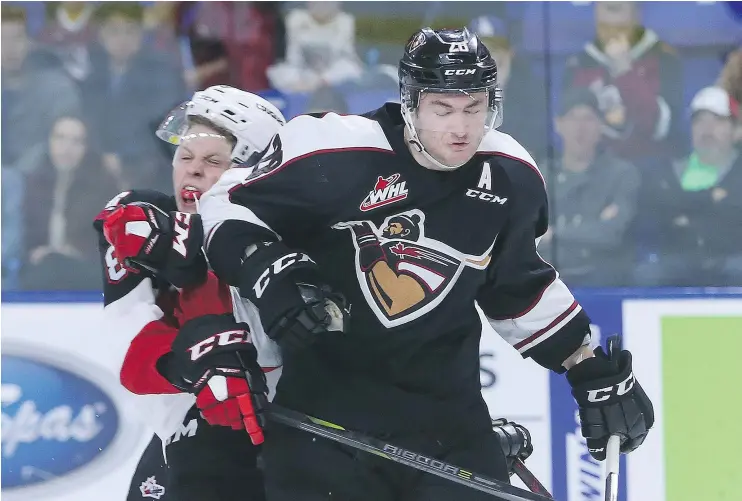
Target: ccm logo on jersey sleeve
(235,336)
(278,266)
(487,197)
(603,394)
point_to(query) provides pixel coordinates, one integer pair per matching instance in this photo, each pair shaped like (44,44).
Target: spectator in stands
(593,198)
(230,43)
(320,49)
(637,78)
(33,97)
(66,185)
(731,76)
(129,90)
(696,203)
(327,99)
(69,33)
(524,96)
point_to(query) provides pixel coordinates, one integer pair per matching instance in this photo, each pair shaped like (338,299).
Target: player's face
(451,126)
(201,158)
(67,143)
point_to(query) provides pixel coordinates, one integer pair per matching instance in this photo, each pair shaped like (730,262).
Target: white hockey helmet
(252,120)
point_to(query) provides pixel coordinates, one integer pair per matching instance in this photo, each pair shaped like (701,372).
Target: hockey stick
(497,488)
(613,448)
(612,452)
(528,478)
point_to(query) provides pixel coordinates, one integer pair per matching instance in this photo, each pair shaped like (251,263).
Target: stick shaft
(501,490)
(612,453)
(530,479)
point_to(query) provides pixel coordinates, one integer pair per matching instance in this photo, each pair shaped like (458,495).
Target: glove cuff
(590,369)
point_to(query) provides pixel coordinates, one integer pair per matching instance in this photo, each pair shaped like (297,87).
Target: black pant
(151,476)
(204,463)
(301,467)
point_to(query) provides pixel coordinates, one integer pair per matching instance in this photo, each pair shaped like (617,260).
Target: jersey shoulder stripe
(308,136)
(503,145)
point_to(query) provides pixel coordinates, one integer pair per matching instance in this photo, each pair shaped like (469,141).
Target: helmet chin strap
(416,145)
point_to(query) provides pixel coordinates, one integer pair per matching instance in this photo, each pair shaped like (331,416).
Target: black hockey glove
(611,402)
(515,441)
(167,244)
(212,358)
(295,307)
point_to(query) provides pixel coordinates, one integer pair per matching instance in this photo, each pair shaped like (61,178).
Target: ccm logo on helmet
(201,348)
(603,394)
(278,266)
(459,72)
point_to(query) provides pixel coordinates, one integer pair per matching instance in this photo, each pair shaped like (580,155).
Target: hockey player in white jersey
(185,339)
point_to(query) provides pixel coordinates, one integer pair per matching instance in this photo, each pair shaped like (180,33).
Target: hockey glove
(611,402)
(515,441)
(212,358)
(167,244)
(294,310)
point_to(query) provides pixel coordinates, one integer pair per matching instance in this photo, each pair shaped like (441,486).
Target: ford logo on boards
(55,420)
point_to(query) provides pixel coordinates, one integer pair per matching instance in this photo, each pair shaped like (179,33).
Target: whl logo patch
(151,489)
(386,191)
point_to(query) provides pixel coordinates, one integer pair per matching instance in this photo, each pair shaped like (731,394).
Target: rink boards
(69,433)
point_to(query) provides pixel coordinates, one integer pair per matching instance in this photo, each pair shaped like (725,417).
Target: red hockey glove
(168,244)
(212,358)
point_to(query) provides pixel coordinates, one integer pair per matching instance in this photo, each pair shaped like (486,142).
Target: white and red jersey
(142,316)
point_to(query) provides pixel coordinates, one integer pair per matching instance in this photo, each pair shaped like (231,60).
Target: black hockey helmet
(447,61)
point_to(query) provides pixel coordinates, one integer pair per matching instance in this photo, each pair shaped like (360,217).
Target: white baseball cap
(716,100)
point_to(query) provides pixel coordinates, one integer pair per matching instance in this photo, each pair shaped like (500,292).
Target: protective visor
(175,124)
(460,112)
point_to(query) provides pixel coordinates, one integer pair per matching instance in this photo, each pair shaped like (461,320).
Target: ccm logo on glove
(226,338)
(620,389)
(278,266)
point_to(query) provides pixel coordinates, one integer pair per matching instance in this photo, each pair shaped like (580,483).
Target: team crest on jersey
(151,489)
(404,274)
(387,190)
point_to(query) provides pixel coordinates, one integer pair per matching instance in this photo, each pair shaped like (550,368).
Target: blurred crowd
(630,109)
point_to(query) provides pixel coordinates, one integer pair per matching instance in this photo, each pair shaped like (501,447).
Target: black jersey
(411,248)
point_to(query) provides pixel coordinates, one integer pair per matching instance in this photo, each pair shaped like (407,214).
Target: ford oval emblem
(55,420)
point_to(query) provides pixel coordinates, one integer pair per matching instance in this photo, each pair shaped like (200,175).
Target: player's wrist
(580,355)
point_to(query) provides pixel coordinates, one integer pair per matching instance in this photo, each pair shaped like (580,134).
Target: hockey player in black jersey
(179,348)
(365,241)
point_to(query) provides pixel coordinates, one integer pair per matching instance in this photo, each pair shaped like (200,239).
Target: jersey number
(116,272)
